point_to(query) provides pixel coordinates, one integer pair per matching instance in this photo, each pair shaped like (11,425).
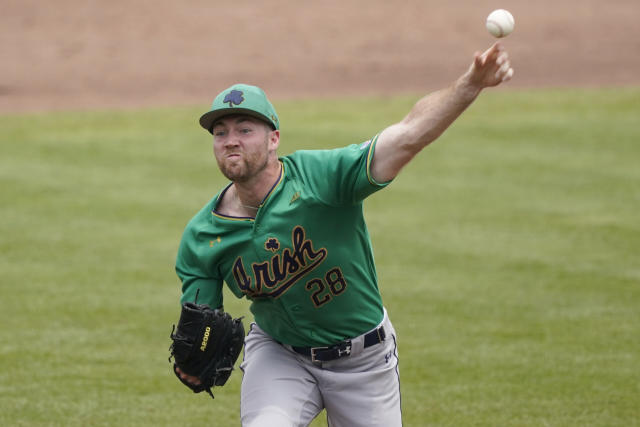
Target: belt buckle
(313,353)
(343,349)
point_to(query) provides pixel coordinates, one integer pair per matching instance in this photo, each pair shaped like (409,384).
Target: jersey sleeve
(340,176)
(195,276)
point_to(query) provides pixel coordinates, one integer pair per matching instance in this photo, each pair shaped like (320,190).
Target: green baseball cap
(241,99)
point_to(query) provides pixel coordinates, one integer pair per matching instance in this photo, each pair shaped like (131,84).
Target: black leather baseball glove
(206,345)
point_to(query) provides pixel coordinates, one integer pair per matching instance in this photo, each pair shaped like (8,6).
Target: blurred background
(73,54)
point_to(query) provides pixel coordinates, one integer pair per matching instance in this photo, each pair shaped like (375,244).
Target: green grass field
(508,253)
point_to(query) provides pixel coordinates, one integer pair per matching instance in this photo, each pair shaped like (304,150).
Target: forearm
(426,121)
(434,113)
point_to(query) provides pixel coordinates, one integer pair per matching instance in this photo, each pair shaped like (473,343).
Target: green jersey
(305,261)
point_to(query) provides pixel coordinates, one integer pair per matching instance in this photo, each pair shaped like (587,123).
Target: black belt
(341,349)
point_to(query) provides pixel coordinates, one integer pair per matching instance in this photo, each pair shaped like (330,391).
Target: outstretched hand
(490,68)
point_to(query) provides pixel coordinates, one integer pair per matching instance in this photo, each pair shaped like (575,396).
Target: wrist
(466,88)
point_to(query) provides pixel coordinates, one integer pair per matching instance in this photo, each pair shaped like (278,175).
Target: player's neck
(249,195)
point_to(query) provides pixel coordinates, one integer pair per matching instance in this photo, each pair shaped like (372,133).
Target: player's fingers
(503,70)
(477,59)
(494,51)
(502,58)
(193,380)
(490,55)
(189,378)
(508,75)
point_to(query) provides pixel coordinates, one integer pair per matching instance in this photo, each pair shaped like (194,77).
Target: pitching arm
(434,113)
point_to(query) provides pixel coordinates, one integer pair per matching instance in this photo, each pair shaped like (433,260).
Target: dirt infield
(72,54)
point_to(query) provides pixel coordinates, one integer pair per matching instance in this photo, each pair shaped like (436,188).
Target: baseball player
(288,233)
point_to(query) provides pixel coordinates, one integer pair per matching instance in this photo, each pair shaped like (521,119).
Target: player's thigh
(369,391)
(276,389)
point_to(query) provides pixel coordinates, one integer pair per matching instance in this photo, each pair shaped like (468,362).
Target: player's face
(243,146)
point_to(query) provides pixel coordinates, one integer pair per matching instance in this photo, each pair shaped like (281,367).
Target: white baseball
(500,23)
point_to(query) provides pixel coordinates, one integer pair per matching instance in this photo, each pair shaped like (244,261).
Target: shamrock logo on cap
(234,98)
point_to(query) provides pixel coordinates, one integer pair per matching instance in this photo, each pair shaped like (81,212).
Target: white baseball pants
(282,388)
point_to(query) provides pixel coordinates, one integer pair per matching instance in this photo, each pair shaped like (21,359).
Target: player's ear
(274,139)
